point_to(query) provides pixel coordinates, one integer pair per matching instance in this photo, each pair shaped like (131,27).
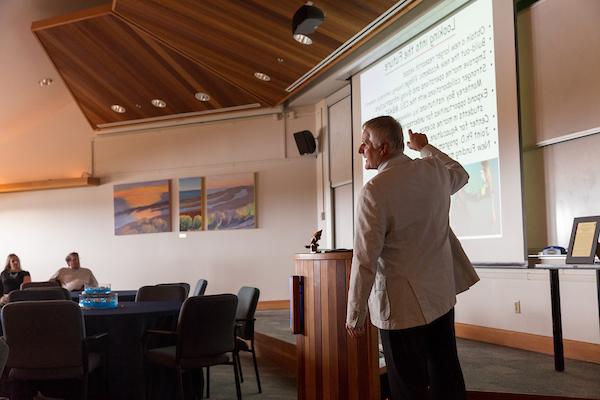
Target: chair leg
(180,383)
(255,366)
(201,384)
(84,387)
(208,382)
(239,363)
(147,381)
(238,390)
(104,390)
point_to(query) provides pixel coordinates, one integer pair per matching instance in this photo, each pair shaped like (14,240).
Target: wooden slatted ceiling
(133,51)
(104,61)
(238,38)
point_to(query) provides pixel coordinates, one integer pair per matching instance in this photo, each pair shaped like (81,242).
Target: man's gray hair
(385,129)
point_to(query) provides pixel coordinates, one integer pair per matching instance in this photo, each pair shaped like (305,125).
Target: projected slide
(443,83)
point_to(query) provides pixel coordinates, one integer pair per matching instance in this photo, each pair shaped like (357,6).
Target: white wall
(490,303)
(561,182)
(42,227)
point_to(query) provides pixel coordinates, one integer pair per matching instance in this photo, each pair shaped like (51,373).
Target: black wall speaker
(305,142)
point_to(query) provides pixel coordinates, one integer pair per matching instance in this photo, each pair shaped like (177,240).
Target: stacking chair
(244,318)
(205,336)
(43,284)
(200,287)
(185,285)
(47,342)
(174,293)
(3,354)
(34,294)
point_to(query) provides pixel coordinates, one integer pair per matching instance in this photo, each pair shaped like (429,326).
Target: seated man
(74,277)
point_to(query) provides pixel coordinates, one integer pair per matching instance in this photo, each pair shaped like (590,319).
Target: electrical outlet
(518,307)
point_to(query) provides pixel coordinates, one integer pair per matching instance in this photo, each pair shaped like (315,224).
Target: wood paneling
(331,364)
(130,52)
(105,61)
(526,341)
(238,38)
(273,305)
(515,396)
(48,184)
(279,351)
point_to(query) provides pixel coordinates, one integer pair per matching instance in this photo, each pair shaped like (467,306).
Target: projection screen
(455,80)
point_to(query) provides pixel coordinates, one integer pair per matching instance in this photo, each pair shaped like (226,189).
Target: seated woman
(13,276)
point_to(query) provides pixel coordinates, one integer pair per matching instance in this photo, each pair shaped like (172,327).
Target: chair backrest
(206,326)
(44,284)
(174,293)
(3,354)
(185,285)
(247,302)
(34,294)
(200,287)
(44,335)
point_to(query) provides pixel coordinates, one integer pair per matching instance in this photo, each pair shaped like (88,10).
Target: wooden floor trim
(573,349)
(515,396)
(273,305)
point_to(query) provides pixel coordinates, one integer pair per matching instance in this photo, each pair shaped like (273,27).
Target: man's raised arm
(458,175)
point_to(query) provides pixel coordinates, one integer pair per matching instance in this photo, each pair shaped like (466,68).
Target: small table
(553,269)
(125,326)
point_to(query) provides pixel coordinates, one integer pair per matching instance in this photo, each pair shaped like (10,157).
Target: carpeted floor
(277,383)
(492,368)
(486,367)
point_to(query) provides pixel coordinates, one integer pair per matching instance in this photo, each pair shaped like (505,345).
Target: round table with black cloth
(125,326)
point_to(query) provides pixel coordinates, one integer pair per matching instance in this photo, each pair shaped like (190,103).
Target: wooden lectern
(331,365)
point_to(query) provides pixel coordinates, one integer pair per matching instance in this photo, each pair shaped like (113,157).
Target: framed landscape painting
(190,204)
(230,202)
(143,207)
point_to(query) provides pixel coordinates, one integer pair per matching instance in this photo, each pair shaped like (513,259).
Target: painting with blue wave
(190,204)
(230,202)
(143,207)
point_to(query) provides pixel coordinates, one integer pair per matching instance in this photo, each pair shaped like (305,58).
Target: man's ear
(385,149)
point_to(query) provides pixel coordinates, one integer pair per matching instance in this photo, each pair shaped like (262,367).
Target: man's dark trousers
(422,362)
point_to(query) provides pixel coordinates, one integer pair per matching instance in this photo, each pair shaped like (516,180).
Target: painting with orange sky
(230,202)
(143,207)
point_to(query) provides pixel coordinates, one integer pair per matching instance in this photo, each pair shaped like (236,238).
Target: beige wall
(48,144)
(561,182)
(41,227)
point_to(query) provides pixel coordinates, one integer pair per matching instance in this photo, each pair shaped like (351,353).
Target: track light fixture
(305,21)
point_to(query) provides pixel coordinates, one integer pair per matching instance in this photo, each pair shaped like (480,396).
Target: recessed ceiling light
(117,108)
(46,81)
(279,60)
(262,77)
(302,38)
(202,96)
(158,103)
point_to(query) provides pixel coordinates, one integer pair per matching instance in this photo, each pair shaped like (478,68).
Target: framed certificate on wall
(583,245)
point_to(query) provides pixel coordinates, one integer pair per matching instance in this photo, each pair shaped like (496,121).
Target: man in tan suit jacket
(408,265)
